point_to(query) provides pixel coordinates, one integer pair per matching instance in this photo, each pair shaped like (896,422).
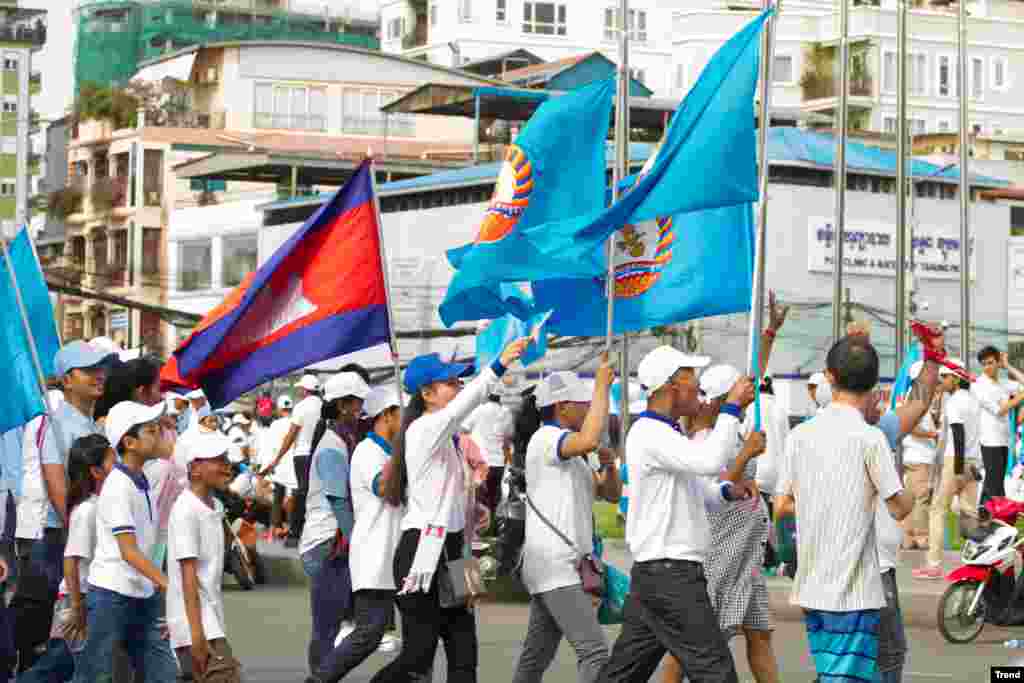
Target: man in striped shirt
(838,581)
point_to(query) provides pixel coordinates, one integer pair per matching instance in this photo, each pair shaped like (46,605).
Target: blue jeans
(56,666)
(134,621)
(330,596)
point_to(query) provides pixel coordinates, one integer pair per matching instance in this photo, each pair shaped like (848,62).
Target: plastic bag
(616,590)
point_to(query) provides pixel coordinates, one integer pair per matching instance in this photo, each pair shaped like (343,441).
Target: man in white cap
(816,380)
(667,527)
(196,400)
(283,477)
(42,508)
(300,435)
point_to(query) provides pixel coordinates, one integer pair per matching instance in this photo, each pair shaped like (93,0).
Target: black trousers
(668,610)
(40,570)
(994,458)
(424,622)
(299,513)
(277,509)
(373,608)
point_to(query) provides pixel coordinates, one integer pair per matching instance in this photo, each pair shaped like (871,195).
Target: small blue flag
(23,399)
(555,169)
(708,158)
(493,339)
(901,384)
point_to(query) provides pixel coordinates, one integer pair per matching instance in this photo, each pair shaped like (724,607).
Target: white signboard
(870,249)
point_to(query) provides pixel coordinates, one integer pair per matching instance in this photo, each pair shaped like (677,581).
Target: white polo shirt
(378,524)
(328,476)
(273,437)
(305,416)
(963,408)
(124,506)
(918,451)
(671,487)
(196,531)
(81,541)
(490,424)
(563,491)
(993,428)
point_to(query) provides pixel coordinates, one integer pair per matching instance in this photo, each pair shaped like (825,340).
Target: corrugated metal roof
(786,146)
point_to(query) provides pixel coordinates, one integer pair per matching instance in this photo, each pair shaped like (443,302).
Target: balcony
(819,83)
(66,203)
(21,25)
(68,268)
(107,194)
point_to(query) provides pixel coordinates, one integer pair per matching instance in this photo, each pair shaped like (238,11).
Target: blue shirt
(11,458)
(68,424)
(890,426)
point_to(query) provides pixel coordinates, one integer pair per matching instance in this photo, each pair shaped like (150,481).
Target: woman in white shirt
(562,487)
(431,483)
(918,461)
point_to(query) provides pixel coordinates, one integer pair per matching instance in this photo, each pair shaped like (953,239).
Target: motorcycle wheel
(955,625)
(241,568)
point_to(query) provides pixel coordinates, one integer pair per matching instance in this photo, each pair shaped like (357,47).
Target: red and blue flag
(321,295)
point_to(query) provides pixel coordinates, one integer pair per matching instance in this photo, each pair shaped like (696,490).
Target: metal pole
(476,128)
(901,182)
(620,172)
(757,302)
(387,286)
(965,193)
(840,172)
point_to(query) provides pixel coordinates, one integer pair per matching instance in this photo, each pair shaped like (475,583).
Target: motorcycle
(986,588)
(239,559)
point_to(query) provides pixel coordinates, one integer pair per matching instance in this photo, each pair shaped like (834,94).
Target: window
(544,18)
(10,64)
(238,259)
(944,126)
(465,10)
(782,69)
(1013,155)
(889,72)
(1000,66)
(917,73)
(7,189)
(195,265)
(361,114)
(10,107)
(918,126)
(291,107)
(977,78)
(947,77)
(396,28)
(637,24)
(501,11)
(976,128)
(433,14)
(889,123)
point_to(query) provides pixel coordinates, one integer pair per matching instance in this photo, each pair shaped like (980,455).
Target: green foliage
(106,103)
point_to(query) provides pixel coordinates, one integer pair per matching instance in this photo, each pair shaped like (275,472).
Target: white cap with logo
(344,384)
(127,414)
(562,387)
(717,381)
(309,383)
(379,400)
(204,446)
(658,366)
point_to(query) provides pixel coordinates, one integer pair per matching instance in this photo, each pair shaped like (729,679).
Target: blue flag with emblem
(555,169)
(708,159)
(23,400)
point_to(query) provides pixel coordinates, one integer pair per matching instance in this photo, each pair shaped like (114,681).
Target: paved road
(269,628)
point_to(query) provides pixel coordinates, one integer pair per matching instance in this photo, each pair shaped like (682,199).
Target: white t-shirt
(775,425)
(918,451)
(196,531)
(962,408)
(378,524)
(124,507)
(328,476)
(305,416)
(82,541)
(274,436)
(563,491)
(490,425)
(890,535)
(671,487)
(993,428)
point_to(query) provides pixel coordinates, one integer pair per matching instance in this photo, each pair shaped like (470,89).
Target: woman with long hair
(89,462)
(562,487)
(431,483)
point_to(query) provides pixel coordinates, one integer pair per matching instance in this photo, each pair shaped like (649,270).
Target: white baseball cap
(379,400)
(658,366)
(344,384)
(716,381)
(240,419)
(127,414)
(195,395)
(284,402)
(562,387)
(203,446)
(943,370)
(816,379)
(309,383)
(171,408)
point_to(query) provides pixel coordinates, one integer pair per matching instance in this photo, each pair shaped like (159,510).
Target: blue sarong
(844,644)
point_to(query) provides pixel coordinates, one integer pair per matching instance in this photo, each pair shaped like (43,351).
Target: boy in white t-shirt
(195,552)
(123,602)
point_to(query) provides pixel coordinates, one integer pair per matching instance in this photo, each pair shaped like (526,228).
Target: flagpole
(621,157)
(840,172)
(387,286)
(901,182)
(965,193)
(757,301)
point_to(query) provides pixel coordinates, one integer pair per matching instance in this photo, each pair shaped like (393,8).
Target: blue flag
(901,383)
(689,266)
(555,169)
(708,158)
(492,340)
(23,400)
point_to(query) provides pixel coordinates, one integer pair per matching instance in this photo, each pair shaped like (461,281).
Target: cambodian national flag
(321,295)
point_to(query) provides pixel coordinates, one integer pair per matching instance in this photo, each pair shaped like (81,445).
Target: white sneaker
(389,643)
(347,627)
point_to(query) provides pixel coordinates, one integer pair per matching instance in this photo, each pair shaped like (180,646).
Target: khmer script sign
(870,249)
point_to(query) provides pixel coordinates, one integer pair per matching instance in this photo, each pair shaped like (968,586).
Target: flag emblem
(511,197)
(641,253)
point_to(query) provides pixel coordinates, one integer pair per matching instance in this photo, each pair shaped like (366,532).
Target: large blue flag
(671,270)
(23,399)
(708,158)
(555,169)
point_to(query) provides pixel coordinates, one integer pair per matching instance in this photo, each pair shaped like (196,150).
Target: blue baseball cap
(429,368)
(80,354)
